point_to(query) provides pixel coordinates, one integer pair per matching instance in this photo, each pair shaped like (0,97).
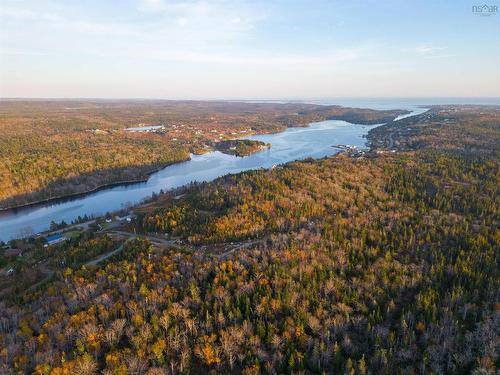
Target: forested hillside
(371,265)
(51,149)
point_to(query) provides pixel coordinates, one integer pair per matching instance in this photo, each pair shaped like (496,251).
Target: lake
(315,141)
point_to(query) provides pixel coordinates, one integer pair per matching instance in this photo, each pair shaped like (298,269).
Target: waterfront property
(127,218)
(314,141)
(55,239)
(145,129)
(294,143)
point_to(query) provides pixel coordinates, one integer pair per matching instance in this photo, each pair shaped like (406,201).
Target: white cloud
(23,53)
(152,5)
(333,57)
(13,13)
(102,29)
(182,21)
(205,17)
(429,51)
(219,46)
(425,49)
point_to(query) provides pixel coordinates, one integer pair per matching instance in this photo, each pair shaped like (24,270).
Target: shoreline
(72,196)
(104,186)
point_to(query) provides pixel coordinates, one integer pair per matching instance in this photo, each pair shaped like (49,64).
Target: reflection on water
(315,141)
(296,143)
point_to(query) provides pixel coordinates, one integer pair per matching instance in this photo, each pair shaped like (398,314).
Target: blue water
(295,143)
(394,103)
(315,141)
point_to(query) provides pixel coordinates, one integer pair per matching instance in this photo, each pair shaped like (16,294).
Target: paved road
(132,236)
(83,226)
(167,243)
(100,258)
(162,240)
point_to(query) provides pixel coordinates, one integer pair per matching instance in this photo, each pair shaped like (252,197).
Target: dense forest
(241,147)
(51,149)
(387,264)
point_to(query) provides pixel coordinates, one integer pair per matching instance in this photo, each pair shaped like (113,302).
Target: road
(166,243)
(131,236)
(163,241)
(82,226)
(239,247)
(46,271)
(100,258)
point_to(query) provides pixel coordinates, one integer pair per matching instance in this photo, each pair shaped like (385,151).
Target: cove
(314,141)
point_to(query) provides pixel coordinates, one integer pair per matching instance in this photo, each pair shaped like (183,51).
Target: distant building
(55,238)
(127,218)
(146,129)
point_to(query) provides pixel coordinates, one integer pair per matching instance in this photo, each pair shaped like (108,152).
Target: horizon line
(240,99)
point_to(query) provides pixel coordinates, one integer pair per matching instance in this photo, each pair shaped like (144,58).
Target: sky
(247,49)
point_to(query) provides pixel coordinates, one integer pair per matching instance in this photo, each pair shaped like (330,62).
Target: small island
(241,147)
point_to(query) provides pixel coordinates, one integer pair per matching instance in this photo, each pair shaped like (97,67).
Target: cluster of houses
(146,129)
(127,218)
(55,239)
